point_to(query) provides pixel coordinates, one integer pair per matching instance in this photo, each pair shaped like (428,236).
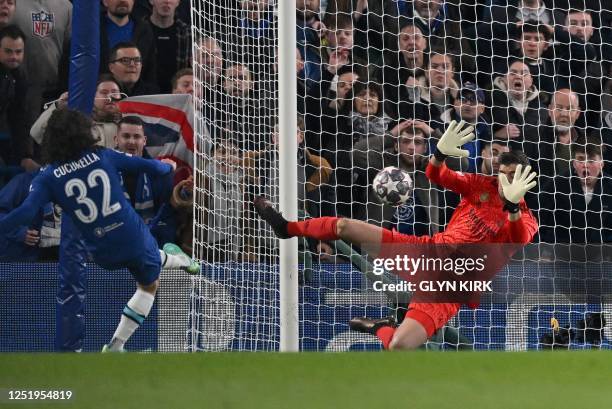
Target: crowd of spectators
(378,82)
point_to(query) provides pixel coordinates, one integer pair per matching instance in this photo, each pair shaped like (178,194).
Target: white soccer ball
(393,186)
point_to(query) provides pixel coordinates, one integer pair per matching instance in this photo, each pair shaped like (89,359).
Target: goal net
(377,84)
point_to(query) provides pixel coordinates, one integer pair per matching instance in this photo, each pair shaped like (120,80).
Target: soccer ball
(393,186)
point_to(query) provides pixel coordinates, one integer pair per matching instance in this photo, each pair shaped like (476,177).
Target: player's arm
(135,164)
(520,227)
(449,145)
(11,196)
(23,215)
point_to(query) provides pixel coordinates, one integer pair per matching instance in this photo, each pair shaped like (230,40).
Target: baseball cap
(471,90)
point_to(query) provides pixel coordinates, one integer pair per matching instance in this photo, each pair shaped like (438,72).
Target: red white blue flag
(168,125)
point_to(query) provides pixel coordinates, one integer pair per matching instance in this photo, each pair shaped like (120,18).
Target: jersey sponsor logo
(99,232)
(43,24)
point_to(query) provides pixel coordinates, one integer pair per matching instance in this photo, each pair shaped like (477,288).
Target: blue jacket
(12,246)
(150,196)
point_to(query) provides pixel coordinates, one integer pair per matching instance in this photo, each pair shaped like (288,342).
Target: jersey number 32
(76,187)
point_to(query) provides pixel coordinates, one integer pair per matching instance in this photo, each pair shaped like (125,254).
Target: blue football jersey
(89,190)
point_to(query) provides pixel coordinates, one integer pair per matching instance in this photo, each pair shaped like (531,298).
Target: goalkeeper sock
(133,316)
(385,334)
(320,228)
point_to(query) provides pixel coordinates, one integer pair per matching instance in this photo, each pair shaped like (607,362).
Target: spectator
(182,82)
(118,26)
(47,25)
(309,31)
(7,12)
(513,11)
(402,69)
(490,156)
(126,65)
(105,113)
(557,135)
(438,20)
(577,63)
(339,40)
(221,200)
(434,92)
(470,107)
(246,118)
(142,10)
(409,152)
(576,203)
(149,195)
(255,30)
(325,103)
(25,243)
(209,68)
(15,143)
(533,42)
(172,42)
(313,171)
(517,110)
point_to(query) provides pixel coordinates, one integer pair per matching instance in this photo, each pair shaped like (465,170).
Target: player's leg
(134,313)
(145,269)
(320,228)
(411,334)
(172,256)
(421,322)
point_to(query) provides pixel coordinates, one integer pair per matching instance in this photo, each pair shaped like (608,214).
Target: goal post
(287,112)
(354,81)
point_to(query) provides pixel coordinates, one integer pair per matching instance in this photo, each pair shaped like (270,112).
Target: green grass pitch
(419,380)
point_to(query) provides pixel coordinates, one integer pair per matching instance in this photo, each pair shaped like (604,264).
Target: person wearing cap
(470,107)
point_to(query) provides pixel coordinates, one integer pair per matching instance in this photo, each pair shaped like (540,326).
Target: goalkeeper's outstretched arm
(449,145)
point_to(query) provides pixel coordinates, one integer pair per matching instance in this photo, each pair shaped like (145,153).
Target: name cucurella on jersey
(76,165)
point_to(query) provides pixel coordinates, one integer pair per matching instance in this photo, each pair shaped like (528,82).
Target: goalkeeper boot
(370,326)
(188,264)
(275,219)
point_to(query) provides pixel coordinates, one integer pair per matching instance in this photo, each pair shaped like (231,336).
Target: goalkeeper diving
(491,210)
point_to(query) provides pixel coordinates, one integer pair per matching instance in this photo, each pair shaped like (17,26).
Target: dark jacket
(15,141)
(565,217)
(503,112)
(12,246)
(145,41)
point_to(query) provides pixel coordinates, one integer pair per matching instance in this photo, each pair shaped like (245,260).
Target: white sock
(174,261)
(133,315)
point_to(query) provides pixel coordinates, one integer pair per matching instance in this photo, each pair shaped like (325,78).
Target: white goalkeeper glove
(513,192)
(452,140)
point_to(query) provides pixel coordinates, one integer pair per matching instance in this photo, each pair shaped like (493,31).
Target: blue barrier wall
(244,311)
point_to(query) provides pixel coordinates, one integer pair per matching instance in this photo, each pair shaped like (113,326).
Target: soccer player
(82,178)
(486,200)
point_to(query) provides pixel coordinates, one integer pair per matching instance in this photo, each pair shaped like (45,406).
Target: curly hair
(67,135)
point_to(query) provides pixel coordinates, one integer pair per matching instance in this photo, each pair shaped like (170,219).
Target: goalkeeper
(486,200)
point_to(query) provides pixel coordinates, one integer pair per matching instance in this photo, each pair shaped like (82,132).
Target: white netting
(532,75)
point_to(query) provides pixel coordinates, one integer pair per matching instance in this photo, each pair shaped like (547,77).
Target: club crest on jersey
(43,24)
(484,197)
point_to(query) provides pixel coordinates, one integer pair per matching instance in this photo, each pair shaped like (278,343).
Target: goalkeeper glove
(452,139)
(521,183)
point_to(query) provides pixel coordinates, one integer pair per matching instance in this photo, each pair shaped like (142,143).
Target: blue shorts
(145,268)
